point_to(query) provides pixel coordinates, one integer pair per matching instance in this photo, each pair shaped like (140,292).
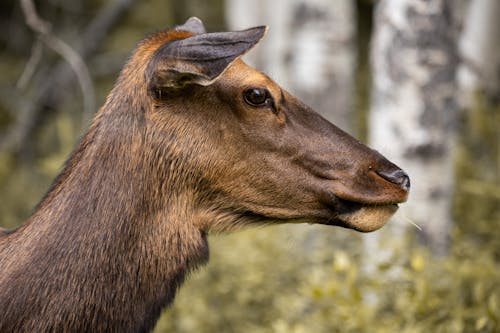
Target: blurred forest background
(417,80)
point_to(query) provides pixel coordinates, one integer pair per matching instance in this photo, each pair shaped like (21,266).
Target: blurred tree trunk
(310,49)
(480,51)
(414,107)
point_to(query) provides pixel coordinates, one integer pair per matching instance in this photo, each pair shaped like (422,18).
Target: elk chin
(368,217)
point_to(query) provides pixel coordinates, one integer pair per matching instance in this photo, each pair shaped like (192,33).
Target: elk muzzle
(366,201)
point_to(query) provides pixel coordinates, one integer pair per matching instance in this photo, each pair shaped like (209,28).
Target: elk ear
(193,25)
(199,59)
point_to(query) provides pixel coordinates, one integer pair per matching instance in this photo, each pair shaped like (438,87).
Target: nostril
(398,177)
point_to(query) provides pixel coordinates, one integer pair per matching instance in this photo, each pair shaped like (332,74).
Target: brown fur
(109,245)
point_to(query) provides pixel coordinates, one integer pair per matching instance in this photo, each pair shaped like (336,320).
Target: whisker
(407,219)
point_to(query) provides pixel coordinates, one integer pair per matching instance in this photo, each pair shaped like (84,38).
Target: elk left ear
(199,59)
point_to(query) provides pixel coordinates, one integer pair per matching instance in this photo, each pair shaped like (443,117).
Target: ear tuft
(193,25)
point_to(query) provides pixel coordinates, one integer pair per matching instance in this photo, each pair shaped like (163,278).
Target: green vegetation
(257,282)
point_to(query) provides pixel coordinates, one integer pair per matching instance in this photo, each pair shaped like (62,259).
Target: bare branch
(49,95)
(32,18)
(31,65)
(65,51)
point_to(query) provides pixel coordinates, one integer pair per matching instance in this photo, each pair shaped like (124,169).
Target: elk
(190,140)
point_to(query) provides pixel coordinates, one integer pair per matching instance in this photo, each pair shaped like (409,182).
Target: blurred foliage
(256,283)
(282,278)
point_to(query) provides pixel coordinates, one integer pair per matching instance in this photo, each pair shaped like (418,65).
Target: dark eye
(257,97)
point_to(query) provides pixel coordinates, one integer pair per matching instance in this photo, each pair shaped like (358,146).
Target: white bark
(309,49)
(480,50)
(414,105)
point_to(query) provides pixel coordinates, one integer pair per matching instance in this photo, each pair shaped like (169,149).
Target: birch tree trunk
(480,51)
(309,50)
(414,106)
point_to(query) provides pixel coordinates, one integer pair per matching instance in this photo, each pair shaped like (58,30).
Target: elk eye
(257,97)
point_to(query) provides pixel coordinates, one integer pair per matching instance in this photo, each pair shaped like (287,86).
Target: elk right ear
(199,59)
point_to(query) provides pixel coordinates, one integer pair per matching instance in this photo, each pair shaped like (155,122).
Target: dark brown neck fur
(110,244)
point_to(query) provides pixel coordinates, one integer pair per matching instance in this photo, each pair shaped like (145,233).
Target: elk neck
(116,229)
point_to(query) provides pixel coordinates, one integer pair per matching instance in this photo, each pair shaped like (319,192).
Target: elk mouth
(359,216)
(367,205)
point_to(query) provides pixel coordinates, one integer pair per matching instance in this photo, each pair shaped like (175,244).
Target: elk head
(252,151)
